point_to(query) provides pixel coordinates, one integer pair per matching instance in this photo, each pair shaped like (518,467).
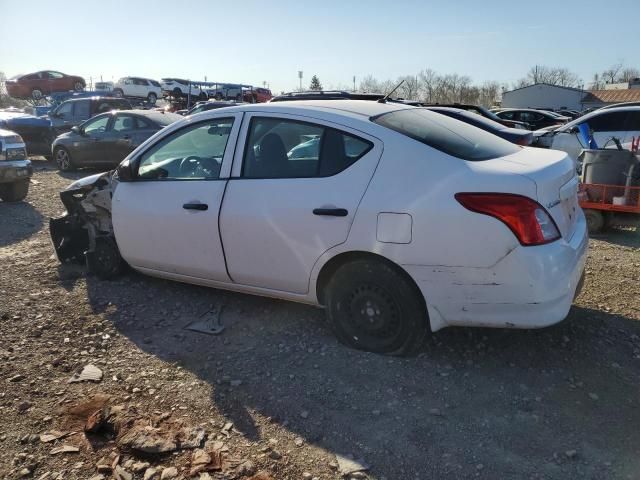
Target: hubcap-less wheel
(374,306)
(372,314)
(36,94)
(118,93)
(152,98)
(78,86)
(62,160)
(595,220)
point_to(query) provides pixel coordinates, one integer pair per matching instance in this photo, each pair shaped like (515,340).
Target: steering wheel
(189,165)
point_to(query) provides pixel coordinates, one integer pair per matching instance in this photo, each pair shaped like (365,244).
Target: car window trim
(324,127)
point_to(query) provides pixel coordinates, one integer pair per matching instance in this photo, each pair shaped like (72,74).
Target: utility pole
(354,84)
(300,77)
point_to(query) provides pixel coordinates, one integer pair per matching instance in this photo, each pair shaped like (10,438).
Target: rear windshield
(446,134)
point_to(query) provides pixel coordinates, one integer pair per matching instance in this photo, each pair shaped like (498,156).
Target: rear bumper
(530,287)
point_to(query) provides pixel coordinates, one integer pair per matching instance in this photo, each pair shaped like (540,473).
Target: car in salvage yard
(77,110)
(106,139)
(37,85)
(36,132)
(15,167)
(423,222)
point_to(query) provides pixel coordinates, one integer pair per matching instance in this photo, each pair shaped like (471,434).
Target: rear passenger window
(278,148)
(82,110)
(608,122)
(446,134)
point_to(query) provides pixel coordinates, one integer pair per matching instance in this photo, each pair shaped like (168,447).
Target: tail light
(526,218)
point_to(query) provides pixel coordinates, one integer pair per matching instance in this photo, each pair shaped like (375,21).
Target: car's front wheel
(118,92)
(63,159)
(373,306)
(151,98)
(78,86)
(105,261)
(36,94)
(14,192)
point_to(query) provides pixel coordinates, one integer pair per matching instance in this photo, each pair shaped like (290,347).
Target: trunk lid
(556,181)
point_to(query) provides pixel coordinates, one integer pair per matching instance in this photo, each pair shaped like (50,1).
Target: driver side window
(97,125)
(192,153)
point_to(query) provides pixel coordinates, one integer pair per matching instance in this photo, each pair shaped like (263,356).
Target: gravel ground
(279,395)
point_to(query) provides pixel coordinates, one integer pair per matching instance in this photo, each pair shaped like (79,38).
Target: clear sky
(254,41)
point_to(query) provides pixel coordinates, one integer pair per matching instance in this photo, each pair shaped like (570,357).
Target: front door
(95,132)
(166,220)
(293,195)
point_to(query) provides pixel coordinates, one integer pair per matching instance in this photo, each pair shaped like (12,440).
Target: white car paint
(138,87)
(564,139)
(169,85)
(259,235)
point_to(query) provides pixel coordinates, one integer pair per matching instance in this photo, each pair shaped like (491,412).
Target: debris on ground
(89,373)
(347,465)
(64,449)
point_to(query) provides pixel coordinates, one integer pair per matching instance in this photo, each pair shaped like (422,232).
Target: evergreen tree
(315,83)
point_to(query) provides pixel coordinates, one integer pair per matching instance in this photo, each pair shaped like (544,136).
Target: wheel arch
(334,263)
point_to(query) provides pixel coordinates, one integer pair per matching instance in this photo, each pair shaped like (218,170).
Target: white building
(544,96)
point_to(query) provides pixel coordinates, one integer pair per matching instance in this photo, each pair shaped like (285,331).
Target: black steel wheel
(373,306)
(105,261)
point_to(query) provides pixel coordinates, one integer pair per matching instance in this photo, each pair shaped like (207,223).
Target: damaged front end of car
(85,233)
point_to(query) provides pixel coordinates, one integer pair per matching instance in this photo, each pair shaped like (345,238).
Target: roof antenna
(384,99)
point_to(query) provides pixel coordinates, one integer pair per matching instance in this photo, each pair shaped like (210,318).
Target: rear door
(608,125)
(293,194)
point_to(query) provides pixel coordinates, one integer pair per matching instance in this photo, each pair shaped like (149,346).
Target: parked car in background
(35,131)
(103,86)
(621,123)
(212,105)
(178,87)
(572,114)
(137,87)
(483,112)
(227,91)
(106,139)
(258,95)
(535,119)
(518,136)
(15,167)
(73,112)
(349,225)
(37,85)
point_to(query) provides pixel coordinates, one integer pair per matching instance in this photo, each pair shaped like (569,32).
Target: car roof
(95,97)
(6,133)
(364,108)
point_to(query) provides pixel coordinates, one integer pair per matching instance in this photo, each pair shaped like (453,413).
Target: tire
(595,220)
(78,86)
(177,93)
(218,96)
(374,307)
(36,94)
(203,96)
(118,92)
(238,97)
(105,261)
(14,192)
(63,159)
(151,98)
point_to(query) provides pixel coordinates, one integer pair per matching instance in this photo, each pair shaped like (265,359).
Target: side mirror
(78,130)
(125,172)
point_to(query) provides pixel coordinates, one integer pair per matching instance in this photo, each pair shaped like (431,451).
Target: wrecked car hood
(89,181)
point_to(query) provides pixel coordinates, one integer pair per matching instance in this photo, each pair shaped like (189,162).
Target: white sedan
(422,222)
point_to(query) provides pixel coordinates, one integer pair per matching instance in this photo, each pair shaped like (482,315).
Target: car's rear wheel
(118,92)
(151,98)
(36,94)
(14,192)
(78,86)
(177,93)
(63,159)
(595,220)
(373,306)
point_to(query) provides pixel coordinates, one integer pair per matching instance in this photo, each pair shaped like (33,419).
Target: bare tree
(409,89)
(611,74)
(370,85)
(551,75)
(627,74)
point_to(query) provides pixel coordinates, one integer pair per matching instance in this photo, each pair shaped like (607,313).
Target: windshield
(446,134)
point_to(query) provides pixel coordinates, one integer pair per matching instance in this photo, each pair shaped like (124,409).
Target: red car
(36,85)
(260,95)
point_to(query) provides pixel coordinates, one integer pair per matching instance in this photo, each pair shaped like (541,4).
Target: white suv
(177,87)
(138,88)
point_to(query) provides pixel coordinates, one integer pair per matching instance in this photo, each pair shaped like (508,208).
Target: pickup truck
(15,167)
